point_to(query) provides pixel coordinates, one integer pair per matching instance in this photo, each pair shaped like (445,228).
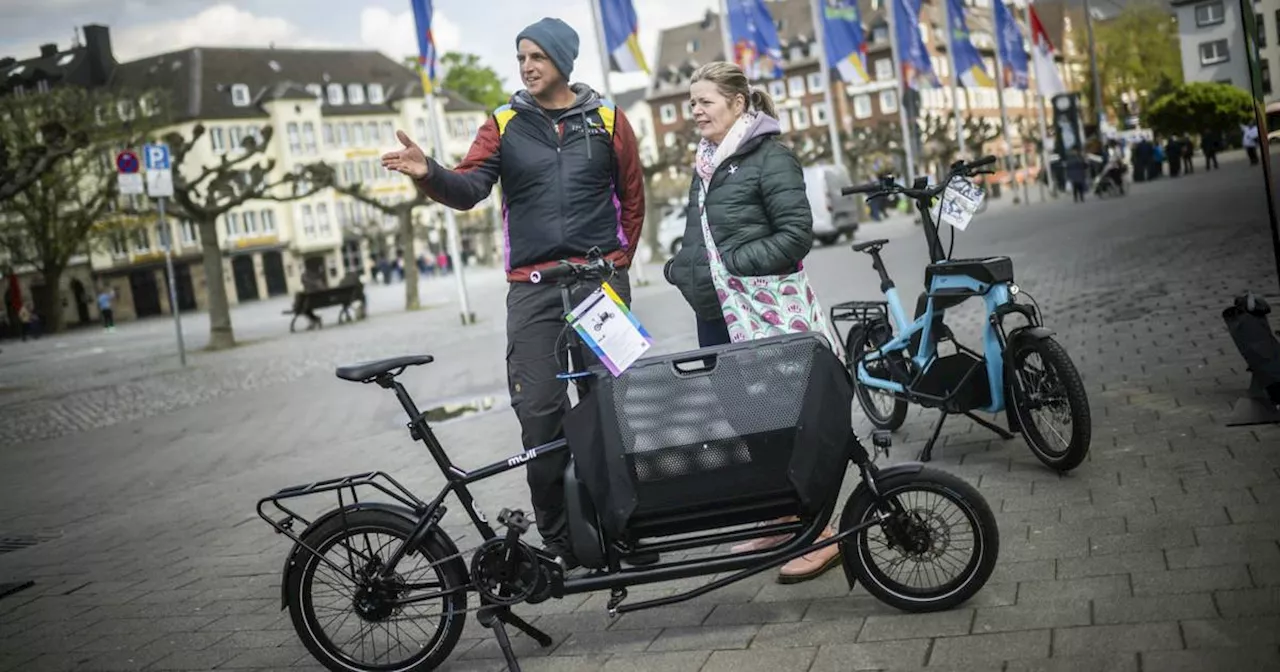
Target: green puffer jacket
(758,213)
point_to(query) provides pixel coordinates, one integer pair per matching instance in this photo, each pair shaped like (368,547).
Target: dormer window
(317,91)
(691,46)
(376,96)
(355,94)
(240,95)
(335,94)
(66,58)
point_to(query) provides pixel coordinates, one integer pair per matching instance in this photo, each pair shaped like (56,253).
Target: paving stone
(655,662)
(1209,516)
(1097,639)
(987,648)
(1104,565)
(563,664)
(870,656)
(1108,611)
(1244,658)
(1142,541)
(193,660)
(1248,602)
(913,626)
(1033,570)
(664,617)
(1197,580)
(757,612)
(1031,617)
(1073,589)
(1231,554)
(1116,662)
(1231,633)
(608,641)
(706,637)
(789,660)
(269,658)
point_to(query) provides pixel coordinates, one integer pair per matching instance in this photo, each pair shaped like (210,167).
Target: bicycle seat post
(886,283)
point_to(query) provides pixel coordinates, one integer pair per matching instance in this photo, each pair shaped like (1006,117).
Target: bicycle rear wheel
(882,408)
(353,625)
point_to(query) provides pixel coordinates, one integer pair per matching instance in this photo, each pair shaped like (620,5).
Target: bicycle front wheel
(351,624)
(1051,404)
(882,408)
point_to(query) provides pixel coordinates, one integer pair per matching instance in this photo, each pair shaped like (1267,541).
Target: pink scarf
(708,156)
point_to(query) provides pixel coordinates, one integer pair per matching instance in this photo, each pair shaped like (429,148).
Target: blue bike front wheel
(882,408)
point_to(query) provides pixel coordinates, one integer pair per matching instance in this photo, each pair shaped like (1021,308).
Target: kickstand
(926,454)
(493,618)
(1001,431)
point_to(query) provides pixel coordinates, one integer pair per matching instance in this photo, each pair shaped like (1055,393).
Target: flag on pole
(622,36)
(1048,81)
(967,62)
(1010,49)
(845,46)
(756,47)
(422,14)
(917,68)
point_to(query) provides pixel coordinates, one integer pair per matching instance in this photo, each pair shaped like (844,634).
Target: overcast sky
(145,27)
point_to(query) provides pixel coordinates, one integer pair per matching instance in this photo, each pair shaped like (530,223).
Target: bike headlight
(1013,289)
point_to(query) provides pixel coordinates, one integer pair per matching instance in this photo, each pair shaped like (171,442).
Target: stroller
(1110,178)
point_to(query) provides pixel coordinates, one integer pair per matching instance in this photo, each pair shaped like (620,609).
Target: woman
(759,218)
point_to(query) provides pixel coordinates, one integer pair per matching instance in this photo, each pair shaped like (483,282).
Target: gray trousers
(536,337)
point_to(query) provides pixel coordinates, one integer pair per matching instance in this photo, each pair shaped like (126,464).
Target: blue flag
(1010,49)
(968,64)
(422,14)
(916,68)
(845,46)
(754,37)
(622,36)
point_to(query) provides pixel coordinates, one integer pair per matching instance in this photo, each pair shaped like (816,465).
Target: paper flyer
(610,330)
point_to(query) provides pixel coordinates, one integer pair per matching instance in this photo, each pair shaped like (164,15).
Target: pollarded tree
(1197,107)
(21,166)
(403,212)
(202,194)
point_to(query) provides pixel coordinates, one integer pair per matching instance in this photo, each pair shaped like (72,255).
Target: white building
(1211,33)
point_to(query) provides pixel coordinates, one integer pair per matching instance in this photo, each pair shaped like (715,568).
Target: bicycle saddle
(367,371)
(870,245)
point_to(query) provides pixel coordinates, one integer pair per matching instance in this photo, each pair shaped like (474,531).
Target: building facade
(342,108)
(1211,33)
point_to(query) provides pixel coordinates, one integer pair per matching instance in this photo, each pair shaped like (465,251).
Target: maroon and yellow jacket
(571,181)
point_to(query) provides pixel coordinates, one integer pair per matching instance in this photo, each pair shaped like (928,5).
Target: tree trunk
(221,336)
(48,300)
(410,260)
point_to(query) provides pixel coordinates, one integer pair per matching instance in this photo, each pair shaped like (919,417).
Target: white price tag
(610,330)
(959,202)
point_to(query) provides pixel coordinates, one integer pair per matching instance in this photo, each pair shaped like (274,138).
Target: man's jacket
(569,182)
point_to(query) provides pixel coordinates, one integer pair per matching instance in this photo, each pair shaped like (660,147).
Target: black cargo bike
(681,452)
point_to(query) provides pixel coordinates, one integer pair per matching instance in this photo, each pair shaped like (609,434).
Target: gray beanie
(557,39)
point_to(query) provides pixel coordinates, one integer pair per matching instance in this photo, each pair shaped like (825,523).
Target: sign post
(160,187)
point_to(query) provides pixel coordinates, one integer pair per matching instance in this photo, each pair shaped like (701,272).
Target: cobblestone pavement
(1162,552)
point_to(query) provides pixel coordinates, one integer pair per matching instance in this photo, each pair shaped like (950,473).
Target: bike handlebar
(571,271)
(959,168)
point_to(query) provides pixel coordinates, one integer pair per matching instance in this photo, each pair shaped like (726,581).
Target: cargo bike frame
(505,571)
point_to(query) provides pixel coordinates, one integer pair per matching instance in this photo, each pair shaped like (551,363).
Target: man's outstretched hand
(411,160)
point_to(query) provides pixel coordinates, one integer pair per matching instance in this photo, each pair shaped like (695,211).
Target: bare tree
(17,172)
(209,192)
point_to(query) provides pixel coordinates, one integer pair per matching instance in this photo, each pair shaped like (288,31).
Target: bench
(308,301)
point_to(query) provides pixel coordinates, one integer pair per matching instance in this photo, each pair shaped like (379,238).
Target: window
(239,95)
(375,94)
(1277,25)
(357,134)
(801,120)
(669,139)
(236,137)
(366,171)
(1264,69)
(879,33)
(268,221)
(355,94)
(691,46)
(295,143)
(308,221)
(884,69)
(1209,14)
(784,122)
(327,130)
(348,173)
(686,109)
(317,91)
(371,129)
(420,129)
(388,132)
(322,216)
(1214,52)
(162,235)
(819,114)
(352,261)
(141,241)
(888,101)
(335,94)
(343,140)
(795,53)
(816,85)
(861,106)
(1262,32)
(119,245)
(216,140)
(342,215)
(668,113)
(778,89)
(233,224)
(796,86)
(309,137)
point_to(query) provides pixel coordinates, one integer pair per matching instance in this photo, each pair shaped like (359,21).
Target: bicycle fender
(290,560)
(863,490)
(1016,338)
(1028,332)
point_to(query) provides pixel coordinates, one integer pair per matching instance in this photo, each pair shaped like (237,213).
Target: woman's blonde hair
(731,82)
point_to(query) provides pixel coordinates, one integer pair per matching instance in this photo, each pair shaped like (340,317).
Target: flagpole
(1004,113)
(900,82)
(1040,100)
(726,35)
(450,223)
(955,79)
(837,156)
(637,264)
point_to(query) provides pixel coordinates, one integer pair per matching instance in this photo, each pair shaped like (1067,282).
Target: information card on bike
(610,330)
(960,201)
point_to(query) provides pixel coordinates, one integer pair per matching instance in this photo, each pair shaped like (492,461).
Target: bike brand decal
(522,458)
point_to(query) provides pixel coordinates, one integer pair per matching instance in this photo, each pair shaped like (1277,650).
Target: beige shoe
(811,565)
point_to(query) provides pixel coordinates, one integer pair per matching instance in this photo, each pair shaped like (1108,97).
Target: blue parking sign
(156,157)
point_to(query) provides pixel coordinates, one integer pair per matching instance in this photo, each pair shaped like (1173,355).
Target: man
(571,181)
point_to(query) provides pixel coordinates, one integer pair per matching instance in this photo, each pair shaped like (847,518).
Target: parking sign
(157,156)
(159,178)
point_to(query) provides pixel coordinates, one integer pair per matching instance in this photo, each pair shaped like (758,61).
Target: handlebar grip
(551,274)
(984,161)
(860,189)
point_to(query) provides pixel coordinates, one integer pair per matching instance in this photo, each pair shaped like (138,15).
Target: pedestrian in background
(105,299)
(1077,175)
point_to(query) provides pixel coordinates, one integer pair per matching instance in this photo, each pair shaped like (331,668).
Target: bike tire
(864,506)
(1064,370)
(450,573)
(858,341)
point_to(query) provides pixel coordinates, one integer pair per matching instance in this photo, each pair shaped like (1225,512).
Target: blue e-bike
(1021,372)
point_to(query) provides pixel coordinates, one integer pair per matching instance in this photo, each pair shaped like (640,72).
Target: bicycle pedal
(514,520)
(616,597)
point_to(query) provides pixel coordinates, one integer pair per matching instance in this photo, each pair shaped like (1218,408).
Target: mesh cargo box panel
(713,428)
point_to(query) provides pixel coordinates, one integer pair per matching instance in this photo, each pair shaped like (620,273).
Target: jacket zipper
(564,225)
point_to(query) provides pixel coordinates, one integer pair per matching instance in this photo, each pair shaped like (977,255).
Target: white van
(834,216)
